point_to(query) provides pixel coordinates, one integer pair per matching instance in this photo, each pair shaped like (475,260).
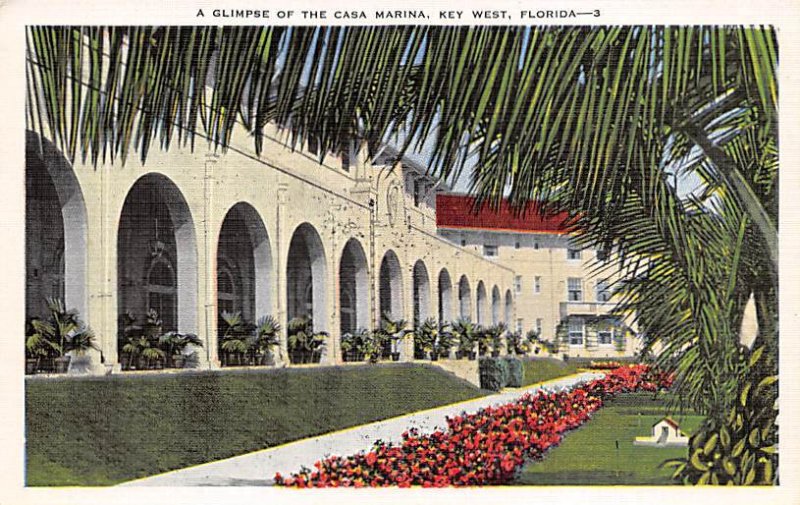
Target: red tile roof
(457,211)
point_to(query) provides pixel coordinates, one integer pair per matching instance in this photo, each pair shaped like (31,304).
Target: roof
(458,212)
(669,421)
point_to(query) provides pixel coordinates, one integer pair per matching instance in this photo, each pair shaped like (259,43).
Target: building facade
(193,233)
(558,291)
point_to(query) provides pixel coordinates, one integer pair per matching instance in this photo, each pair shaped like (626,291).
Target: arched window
(161,291)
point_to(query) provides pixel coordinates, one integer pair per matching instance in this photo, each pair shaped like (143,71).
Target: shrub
(515,372)
(493,373)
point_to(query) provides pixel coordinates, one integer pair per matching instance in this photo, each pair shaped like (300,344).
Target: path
(258,468)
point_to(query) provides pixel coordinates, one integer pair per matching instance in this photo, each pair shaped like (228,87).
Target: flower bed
(487,447)
(604,365)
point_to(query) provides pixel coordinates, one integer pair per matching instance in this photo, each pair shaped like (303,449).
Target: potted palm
(372,344)
(305,346)
(267,340)
(425,337)
(62,331)
(36,348)
(465,332)
(392,331)
(445,342)
(235,341)
(174,344)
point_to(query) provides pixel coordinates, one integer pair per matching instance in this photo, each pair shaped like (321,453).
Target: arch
(445,297)
(306,267)
(353,288)
(390,287)
(495,305)
(55,230)
(157,255)
(244,264)
(481,302)
(464,298)
(422,292)
(509,312)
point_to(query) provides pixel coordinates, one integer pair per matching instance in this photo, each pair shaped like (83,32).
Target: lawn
(590,455)
(542,369)
(101,431)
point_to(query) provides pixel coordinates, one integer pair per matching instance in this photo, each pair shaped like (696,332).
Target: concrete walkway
(258,468)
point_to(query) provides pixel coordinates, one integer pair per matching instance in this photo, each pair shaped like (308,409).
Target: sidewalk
(258,468)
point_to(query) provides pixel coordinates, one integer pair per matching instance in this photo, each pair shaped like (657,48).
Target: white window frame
(602,295)
(539,326)
(518,284)
(610,334)
(537,284)
(519,324)
(571,290)
(495,251)
(575,337)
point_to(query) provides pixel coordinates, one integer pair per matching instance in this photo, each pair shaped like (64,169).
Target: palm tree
(596,121)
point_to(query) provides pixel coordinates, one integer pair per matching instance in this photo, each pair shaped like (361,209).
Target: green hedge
(515,372)
(497,373)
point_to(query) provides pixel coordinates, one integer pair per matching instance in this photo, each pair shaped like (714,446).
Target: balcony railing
(585,308)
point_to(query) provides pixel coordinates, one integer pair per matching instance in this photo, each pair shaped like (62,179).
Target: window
(518,284)
(516,244)
(489,250)
(575,331)
(539,326)
(605,337)
(573,254)
(574,289)
(602,254)
(419,187)
(463,242)
(537,285)
(603,293)
(519,325)
(536,246)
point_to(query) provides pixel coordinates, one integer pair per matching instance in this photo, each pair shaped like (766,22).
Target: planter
(395,356)
(178,361)
(62,364)
(31,364)
(268,359)
(471,356)
(304,357)
(434,356)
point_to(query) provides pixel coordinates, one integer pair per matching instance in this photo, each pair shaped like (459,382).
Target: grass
(542,369)
(589,455)
(101,431)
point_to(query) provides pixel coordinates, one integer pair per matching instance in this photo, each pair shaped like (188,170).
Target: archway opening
(421,293)
(55,231)
(445,297)
(495,305)
(244,265)
(390,287)
(353,288)
(306,268)
(481,303)
(157,257)
(509,313)
(464,298)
